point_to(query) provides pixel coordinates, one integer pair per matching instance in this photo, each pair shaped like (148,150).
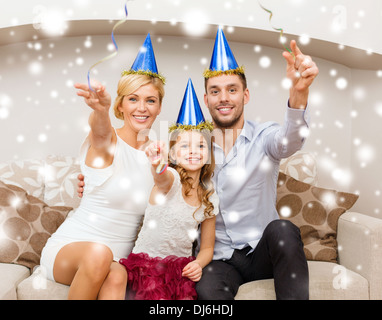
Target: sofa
(343,248)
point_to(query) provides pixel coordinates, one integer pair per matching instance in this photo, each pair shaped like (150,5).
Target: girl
(161,265)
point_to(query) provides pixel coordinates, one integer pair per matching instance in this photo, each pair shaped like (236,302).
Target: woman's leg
(114,286)
(84,266)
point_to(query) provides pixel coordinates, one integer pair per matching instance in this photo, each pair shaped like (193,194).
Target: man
(252,243)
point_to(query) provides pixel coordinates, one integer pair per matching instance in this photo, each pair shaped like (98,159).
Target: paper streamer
(119,23)
(277,29)
(161,168)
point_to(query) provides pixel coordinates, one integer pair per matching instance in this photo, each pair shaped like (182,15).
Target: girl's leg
(84,266)
(114,286)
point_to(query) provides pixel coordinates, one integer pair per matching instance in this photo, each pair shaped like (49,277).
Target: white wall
(348,22)
(366,144)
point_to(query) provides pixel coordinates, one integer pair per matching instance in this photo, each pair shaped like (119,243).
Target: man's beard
(227,124)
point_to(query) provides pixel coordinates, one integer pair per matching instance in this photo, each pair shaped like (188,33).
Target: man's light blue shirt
(246,180)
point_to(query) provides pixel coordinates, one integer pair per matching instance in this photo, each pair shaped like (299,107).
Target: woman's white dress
(112,207)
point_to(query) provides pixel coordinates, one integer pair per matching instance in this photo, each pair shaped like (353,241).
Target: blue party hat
(223,61)
(190,114)
(145,62)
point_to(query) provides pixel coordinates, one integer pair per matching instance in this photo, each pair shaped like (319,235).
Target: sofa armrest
(360,248)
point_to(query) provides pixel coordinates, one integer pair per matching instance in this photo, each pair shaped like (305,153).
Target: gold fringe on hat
(214,73)
(145,73)
(207,125)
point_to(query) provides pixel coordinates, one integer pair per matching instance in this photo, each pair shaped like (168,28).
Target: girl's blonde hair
(132,82)
(206,187)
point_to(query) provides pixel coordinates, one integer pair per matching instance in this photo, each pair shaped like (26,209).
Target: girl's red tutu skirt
(158,278)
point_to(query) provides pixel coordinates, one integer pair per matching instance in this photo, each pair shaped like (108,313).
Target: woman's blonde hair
(131,83)
(206,187)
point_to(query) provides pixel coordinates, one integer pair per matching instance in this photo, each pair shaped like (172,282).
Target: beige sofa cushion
(10,276)
(327,281)
(37,287)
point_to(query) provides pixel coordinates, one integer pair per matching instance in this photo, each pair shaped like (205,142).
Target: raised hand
(99,100)
(156,152)
(301,70)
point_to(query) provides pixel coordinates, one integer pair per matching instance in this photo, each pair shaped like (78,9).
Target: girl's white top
(169,227)
(113,203)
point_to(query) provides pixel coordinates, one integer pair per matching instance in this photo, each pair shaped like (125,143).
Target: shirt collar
(246,132)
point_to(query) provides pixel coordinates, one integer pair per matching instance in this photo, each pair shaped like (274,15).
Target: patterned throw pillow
(26,174)
(316,212)
(26,223)
(301,166)
(61,181)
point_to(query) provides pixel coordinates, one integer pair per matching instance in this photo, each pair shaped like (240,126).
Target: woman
(85,250)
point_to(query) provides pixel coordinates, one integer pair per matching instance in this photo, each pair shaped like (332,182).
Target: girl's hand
(193,271)
(156,152)
(99,100)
